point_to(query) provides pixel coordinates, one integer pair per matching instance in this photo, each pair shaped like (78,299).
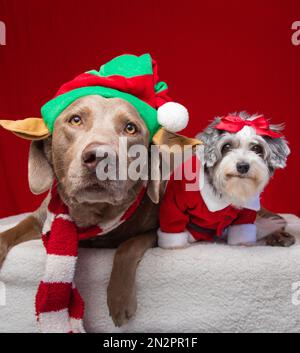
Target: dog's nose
(243,167)
(90,156)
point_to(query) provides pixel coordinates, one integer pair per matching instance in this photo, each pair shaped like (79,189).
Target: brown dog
(69,156)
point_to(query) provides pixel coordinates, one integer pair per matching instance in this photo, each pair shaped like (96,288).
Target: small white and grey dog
(241,154)
(240,164)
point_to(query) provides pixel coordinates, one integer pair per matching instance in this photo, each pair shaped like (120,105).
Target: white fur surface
(204,288)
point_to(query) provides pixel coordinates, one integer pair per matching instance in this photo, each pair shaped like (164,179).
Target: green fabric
(54,107)
(160,86)
(127,66)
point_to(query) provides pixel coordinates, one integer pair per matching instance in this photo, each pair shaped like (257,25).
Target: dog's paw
(3,250)
(280,238)
(122,305)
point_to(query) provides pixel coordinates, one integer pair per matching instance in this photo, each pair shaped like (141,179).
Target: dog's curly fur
(221,168)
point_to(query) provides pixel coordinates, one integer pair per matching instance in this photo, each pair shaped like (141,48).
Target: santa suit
(191,211)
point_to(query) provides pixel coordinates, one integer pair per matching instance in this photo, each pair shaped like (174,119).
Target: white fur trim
(215,203)
(191,239)
(173,116)
(66,217)
(242,234)
(48,222)
(77,325)
(253,204)
(60,268)
(55,322)
(172,240)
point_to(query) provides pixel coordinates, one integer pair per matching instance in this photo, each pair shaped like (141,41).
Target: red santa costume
(190,212)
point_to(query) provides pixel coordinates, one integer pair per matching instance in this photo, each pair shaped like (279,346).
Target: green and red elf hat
(132,78)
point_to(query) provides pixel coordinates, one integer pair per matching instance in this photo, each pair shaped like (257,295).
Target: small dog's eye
(75,120)
(226,148)
(130,128)
(257,149)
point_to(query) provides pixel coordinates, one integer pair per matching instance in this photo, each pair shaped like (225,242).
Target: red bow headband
(234,124)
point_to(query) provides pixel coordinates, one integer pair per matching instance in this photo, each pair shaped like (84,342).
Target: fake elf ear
(174,141)
(29,129)
(175,144)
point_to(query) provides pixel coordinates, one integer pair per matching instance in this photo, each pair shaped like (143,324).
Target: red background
(217,57)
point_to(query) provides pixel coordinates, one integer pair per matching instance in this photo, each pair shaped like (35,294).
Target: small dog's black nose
(243,167)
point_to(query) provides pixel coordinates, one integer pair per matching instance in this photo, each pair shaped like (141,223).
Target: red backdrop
(217,56)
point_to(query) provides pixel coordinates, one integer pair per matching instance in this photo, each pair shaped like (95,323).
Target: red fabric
(76,308)
(180,207)
(141,87)
(217,56)
(53,297)
(234,124)
(66,240)
(245,217)
(61,237)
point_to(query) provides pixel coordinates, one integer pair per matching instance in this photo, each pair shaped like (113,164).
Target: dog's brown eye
(226,148)
(131,129)
(75,120)
(257,149)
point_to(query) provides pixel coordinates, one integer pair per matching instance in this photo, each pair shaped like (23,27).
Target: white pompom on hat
(173,116)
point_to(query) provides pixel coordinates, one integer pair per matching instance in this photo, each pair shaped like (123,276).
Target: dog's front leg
(121,291)
(28,229)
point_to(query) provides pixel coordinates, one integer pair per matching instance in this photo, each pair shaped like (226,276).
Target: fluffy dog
(241,153)
(69,156)
(240,165)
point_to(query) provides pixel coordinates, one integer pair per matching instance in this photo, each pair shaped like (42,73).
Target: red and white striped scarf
(59,306)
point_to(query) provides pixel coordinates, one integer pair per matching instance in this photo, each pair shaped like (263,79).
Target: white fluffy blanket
(205,288)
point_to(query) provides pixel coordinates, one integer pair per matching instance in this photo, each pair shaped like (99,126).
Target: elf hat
(132,78)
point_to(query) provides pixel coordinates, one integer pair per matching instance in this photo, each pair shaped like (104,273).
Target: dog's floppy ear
(210,136)
(279,152)
(175,144)
(40,173)
(29,129)
(155,184)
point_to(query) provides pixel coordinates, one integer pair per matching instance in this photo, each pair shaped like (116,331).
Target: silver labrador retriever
(70,158)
